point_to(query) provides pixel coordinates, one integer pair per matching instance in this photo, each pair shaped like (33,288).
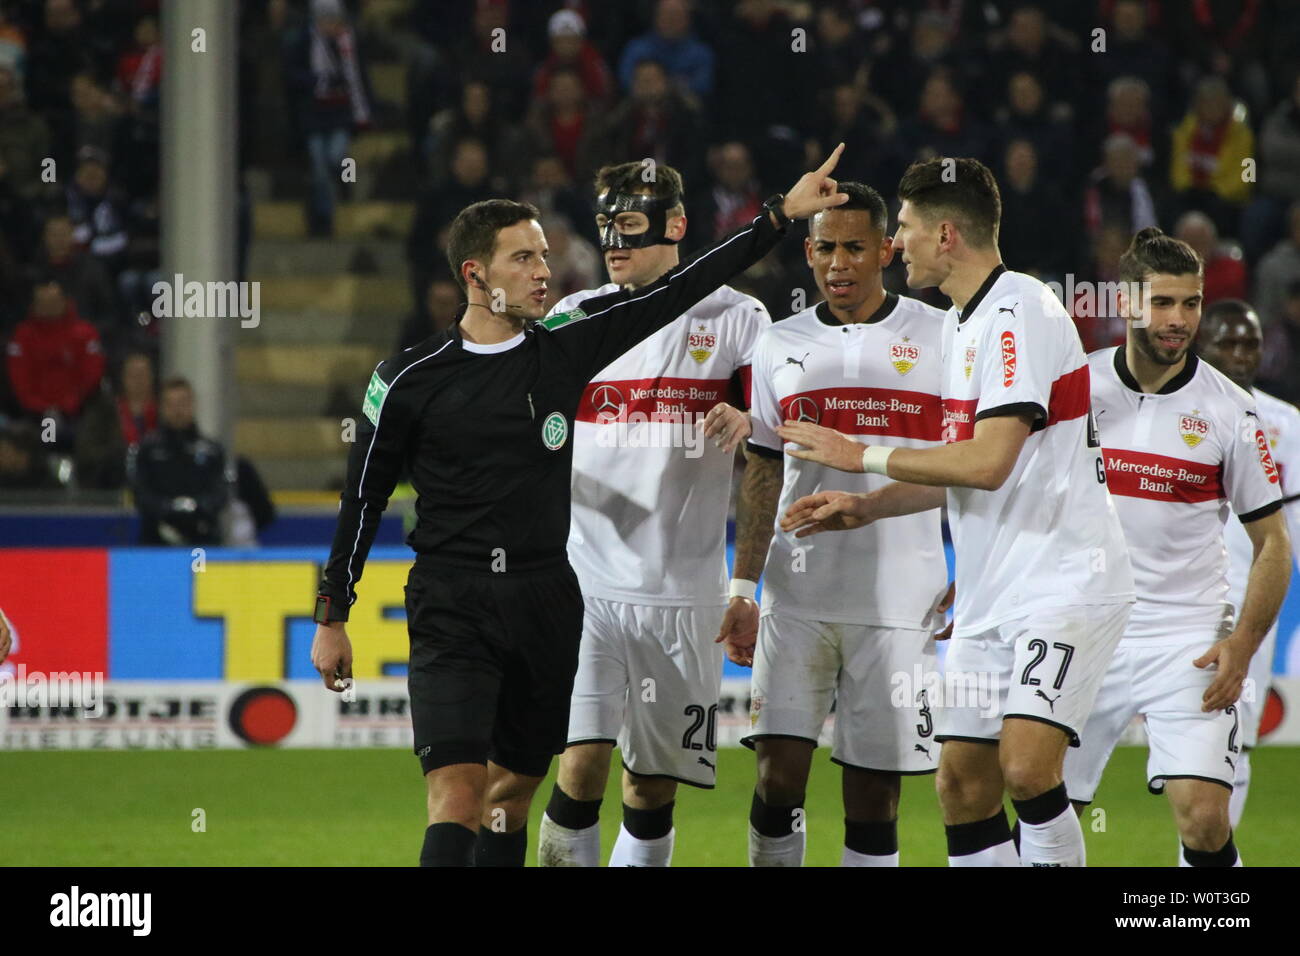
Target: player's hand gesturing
(823,445)
(727,426)
(827,511)
(1232,662)
(815,191)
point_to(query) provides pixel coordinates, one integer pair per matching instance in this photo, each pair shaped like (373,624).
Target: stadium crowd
(1099,117)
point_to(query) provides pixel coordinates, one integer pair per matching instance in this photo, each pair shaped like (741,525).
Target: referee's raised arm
(637,314)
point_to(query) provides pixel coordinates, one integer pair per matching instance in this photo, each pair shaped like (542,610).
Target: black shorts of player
(493,657)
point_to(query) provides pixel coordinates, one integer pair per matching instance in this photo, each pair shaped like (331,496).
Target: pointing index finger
(834,158)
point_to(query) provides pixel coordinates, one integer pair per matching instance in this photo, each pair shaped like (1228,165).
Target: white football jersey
(1049,536)
(878,383)
(650,493)
(1175,461)
(1281,421)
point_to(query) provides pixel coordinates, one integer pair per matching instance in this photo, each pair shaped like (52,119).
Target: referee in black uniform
(482,413)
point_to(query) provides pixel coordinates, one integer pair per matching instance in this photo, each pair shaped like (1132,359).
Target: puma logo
(706,763)
(1228,761)
(924,750)
(1051,701)
(793,361)
(1011,309)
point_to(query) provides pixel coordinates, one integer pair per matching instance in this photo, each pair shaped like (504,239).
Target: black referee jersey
(486,430)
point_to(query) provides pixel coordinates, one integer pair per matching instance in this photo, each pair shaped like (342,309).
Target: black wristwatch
(322,615)
(774,205)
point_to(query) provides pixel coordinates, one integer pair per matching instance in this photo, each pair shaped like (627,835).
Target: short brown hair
(666,182)
(962,190)
(176,381)
(1153,253)
(473,233)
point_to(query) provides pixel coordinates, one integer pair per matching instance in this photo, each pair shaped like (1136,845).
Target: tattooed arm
(760,494)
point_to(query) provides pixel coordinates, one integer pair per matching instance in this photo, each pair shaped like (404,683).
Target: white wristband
(742,588)
(875,458)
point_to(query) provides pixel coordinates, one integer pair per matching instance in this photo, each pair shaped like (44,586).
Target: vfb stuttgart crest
(904,355)
(700,343)
(970,359)
(1192,429)
(803,409)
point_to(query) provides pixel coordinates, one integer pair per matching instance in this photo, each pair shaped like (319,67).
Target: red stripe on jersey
(746,384)
(958,419)
(650,399)
(1071,395)
(868,411)
(1139,474)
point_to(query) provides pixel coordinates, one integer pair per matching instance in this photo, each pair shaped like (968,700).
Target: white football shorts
(1157,681)
(648,679)
(1045,666)
(875,677)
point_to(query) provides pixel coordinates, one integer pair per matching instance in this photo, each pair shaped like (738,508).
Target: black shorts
(493,658)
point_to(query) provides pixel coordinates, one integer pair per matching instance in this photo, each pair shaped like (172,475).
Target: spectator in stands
(654,122)
(497,55)
(687,60)
(436,209)
(1278,270)
(574,263)
(1128,111)
(1027,115)
(1210,147)
(138,73)
(114,423)
(732,197)
(137,82)
(1264,221)
(942,126)
(901,74)
(864,123)
(476,116)
(24,138)
(551,189)
(1031,238)
(839,48)
(178,477)
(562,122)
(769,103)
(55,359)
(96,120)
(442,307)
(1031,45)
(97,211)
(328,81)
(1133,50)
(13,46)
(23,460)
(250,511)
(1225,272)
(1223,39)
(1117,195)
(1279,367)
(58,52)
(17,217)
(81,276)
(571,49)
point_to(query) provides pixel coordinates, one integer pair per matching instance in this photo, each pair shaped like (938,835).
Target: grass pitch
(366,808)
